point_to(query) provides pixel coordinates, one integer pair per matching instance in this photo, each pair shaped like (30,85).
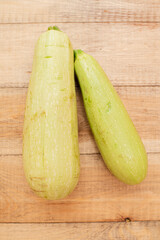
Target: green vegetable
(50,136)
(116,137)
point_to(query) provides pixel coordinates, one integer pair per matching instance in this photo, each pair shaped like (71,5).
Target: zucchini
(116,137)
(50,134)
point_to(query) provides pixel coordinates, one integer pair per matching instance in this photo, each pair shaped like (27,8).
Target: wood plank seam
(125,221)
(94,22)
(114,85)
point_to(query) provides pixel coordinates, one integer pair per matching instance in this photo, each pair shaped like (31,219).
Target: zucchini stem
(54,28)
(76,53)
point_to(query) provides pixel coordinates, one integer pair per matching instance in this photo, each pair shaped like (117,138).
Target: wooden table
(124,36)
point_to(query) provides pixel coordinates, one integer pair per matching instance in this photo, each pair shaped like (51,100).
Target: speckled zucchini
(116,137)
(50,136)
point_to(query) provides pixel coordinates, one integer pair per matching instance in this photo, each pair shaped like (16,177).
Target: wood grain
(123,35)
(31,11)
(142,104)
(81,231)
(98,196)
(129,53)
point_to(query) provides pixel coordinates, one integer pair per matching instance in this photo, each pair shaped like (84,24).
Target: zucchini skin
(50,133)
(117,139)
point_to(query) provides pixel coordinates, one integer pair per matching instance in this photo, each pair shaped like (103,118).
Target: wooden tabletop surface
(124,36)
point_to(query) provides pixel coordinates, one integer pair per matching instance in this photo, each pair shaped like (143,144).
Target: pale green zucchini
(116,137)
(50,135)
